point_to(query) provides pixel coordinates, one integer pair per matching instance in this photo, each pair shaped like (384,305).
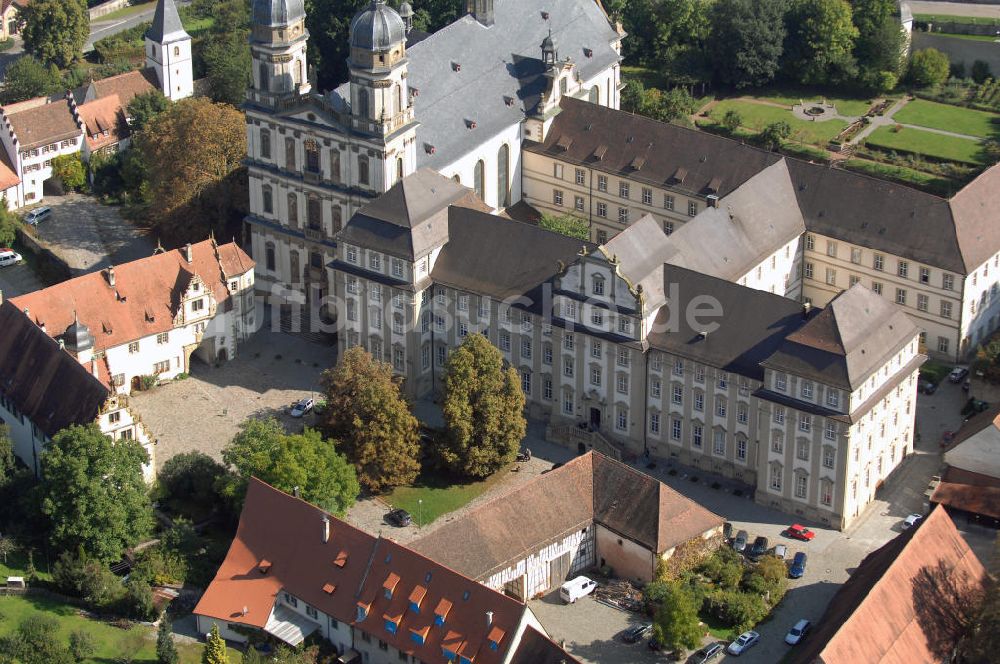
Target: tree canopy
(144,107)
(747,38)
(819,45)
(676,623)
(303,462)
(93,493)
(367,413)
(215,648)
(483,409)
(54,31)
(929,67)
(27,77)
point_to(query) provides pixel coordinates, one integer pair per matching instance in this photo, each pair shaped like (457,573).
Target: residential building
(970,483)
(9,17)
(44,389)
(294,570)
(594,511)
(413,100)
(900,604)
(145,319)
(612,336)
(930,255)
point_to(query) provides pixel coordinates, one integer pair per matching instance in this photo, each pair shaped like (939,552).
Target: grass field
(112,643)
(845,105)
(439,495)
(949,118)
(125,12)
(927,144)
(758,116)
(948,18)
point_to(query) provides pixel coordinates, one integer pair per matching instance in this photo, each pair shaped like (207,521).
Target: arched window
(262,74)
(479,179)
(268,199)
(293,260)
(312,156)
(399,168)
(269,256)
(503,176)
(457,178)
(362,102)
(298,72)
(265,144)
(335,165)
(177,51)
(293,210)
(362,169)
(595,95)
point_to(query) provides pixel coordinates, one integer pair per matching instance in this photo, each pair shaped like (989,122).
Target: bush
(137,603)
(732,120)
(736,609)
(159,566)
(82,644)
(929,67)
(980,71)
(87,579)
(773,135)
(724,567)
(189,479)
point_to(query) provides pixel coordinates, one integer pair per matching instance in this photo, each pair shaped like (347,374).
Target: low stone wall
(106,8)
(960,50)
(50,267)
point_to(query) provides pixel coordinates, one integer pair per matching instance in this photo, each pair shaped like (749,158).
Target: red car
(800,532)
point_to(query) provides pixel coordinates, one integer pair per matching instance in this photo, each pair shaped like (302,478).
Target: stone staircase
(299,324)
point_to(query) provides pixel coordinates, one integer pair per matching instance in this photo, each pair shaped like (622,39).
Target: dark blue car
(798,566)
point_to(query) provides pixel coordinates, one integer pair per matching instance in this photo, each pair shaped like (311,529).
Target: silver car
(743,642)
(798,632)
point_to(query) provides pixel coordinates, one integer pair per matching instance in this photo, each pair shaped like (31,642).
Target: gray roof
(489,255)
(275,13)
(974,209)
(753,323)
(410,219)
(746,227)
(502,60)
(640,250)
(846,342)
(167,24)
(77,336)
(377,27)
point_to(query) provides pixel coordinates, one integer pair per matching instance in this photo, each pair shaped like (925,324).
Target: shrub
(929,67)
(82,644)
(723,567)
(732,120)
(738,610)
(137,603)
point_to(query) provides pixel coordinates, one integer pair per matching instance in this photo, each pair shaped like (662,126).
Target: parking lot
(204,411)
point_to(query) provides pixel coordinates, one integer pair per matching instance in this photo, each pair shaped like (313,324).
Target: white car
(798,632)
(911,521)
(9,257)
(743,642)
(302,407)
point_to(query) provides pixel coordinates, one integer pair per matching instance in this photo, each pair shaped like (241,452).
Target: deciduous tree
(144,107)
(26,77)
(747,40)
(483,409)
(93,493)
(676,624)
(69,168)
(367,413)
(6,444)
(819,46)
(928,67)
(54,31)
(879,46)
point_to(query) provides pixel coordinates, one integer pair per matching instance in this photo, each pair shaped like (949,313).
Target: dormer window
(416,597)
(362,611)
(598,285)
(418,636)
(441,612)
(390,584)
(495,636)
(392,623)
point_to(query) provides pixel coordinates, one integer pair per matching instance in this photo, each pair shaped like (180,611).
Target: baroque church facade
(459,101)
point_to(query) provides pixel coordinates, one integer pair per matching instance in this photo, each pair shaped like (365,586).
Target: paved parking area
(204,411)
(88,236)
(19,279)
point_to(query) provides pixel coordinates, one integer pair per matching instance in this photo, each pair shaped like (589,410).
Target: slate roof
(501,258)
(977,445)
(640,249)
(748,225)
(145,296)
(898,606)
(536,648)
(590,488)
(45,383)
(279,547)
(503,60)
(277,12)
(43,124)
(686,159)
(752,326)
(167,26)
(975,211)
(846,342)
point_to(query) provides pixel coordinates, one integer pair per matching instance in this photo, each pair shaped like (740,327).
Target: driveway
(89,236)
(18,279)
(204,411)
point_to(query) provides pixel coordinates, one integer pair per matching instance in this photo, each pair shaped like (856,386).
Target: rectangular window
(654,388)
(779,415)
(802,450)
(624,325)
(723,380)
(602,237)
(622,189)
(602,209)
(720,407)
(925,275)
(557,170)
(831,276)
(942,345)
(162,338)
(833,398)
(596,349)
(692,208)
(675,429)
(668,202)
(621,419)
(597,317)
(115,417)
(581,176)
(623,215)
(853,279)
(855,255)
(397,268)
(668,227)
(569,342)
(808,270)
(945,309)
(901,296)
(699,401)
(161,367)
(526,382)
(830,433)
(696,435)
(547,354)
(375,261)
(568,403)
(831,249)
(602,183)
(741,449)
(623,357)
(568,367)
(547,389)
(826,492)
(557,197)
(526,348)
(595,376)
(647,196)
(133,347)
(903,269)
(375,293)
(578,203)
(948,281)
(878,262)
(504,341)
(678,367)
(677,395)
(807,389)
(780,382)
(829,455)
(801,486)
(742,413)
(622,384)
(922,301)
(352,254)
(810,242)
(776,477)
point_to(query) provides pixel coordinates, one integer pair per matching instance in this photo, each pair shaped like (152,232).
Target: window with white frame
(547,388)
(826,492)
(397,268)
(833,398)
(623,357)
(720,407)
(776,476)
(801,485)
(778,442)
(504,341)
(568,403)
(830,433)
(526,348)
(741,449)
(654,388)
(647,196)
(802,449)
(805,422)
(723,380)
(699,401)
(678,367)
(829,456)
(696,435)
(742,413)
(807,389)
(595,376)
(780,381)
(699,373)
(596,349)
(568,367)
(602,209)
(597,284)
(580,176)
(677,394)
(463,302)
(547,354)
(621,418)
(352,285)
(654,423)
(779,414)
(569,343)
(526,382)
(719,443)
(675,428)
(597,316)
(622,384)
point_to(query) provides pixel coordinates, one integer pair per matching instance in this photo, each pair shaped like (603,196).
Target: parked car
(576,588)
(911,521)
(781,551)
(743,642)
(727,531)
(798,567)
(759,548)
(973,406)
(37,215)
(398,517)
(9,257)
(958,374)
(708,654)
(928,386)
(795,531)
(302,407)
(637,633)
(798,632)
(740,543)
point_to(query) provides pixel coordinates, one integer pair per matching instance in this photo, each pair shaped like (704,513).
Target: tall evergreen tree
(483,409)
(215,649)
(166,650)
(368,415)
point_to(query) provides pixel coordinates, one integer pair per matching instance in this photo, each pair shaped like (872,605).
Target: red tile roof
(8,176)
(977,499)
(126,86)
(287,531)
(103,115)
(40,125)
(145,296)
(899,605)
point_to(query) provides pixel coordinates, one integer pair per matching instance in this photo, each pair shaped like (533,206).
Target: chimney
(295,491)
(93,369)
(489,618)
(188,254)
(111,276)
(62,344)
(713,200)
(245,610)
(806,309)
(326,529)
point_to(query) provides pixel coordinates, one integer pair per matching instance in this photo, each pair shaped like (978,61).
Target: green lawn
(757,116)
(17,562)
(440,494)
(791,97)
(948,18)
(927,144)
(125,12)
(650,78)
(949,118)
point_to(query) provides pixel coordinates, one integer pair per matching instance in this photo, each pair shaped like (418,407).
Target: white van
(576,588)
(9,257)
(37,215)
